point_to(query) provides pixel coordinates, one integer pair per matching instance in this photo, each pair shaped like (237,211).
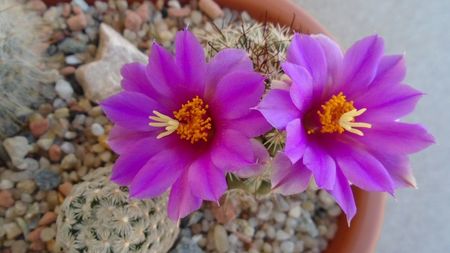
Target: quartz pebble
(12,230)
(97,129)
(63,89)
(220,239)
(17,148)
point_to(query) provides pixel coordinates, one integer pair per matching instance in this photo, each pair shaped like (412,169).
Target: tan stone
(101,78)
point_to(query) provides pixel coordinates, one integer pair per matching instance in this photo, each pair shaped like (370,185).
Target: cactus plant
(98,216)
(21,72)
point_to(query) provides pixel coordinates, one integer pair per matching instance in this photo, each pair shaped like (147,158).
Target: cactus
(98,216)
(21,71)
(265,43)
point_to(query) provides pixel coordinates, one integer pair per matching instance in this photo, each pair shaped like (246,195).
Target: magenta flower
(183,123)
(341,117)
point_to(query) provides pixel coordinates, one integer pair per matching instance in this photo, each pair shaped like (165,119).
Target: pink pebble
(179,13)
(37,5)
(143,11)
(77,23)
(66,10)
(39,126)
(54,153)
(65,188)
(6,199)
(47,219)
(67,70)
(133,21)
(211,8)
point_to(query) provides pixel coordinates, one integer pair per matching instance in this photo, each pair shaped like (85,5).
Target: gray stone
(28,164)
(282,235)
(12,230)
(71,46)
(287,247)
(101,78)
(47,179)
(17,148)
(187,245)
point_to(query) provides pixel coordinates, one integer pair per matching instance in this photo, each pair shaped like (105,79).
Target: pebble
(143,11)
(47,219)
(72,46)
(280,217)
(65,188)
(69,162)
(64,89)
(19,246)
(44,143)
(35,234)
(282,235)
(54,153)
(38,125)
(73,60)
(20,208)
(295,212)
(210,8)
(77,22)
(46,179)
(187,245)
(37,5)
(68,70)
(62,113)
(97,129)
(196,17)
(6,184)
(38,246)
(67,147)
(6,199)
(133,21)
(48,234)
(12,230)
(287,247)
(17,148)
(28,164)
(221,239)
(179,12)
(27,186)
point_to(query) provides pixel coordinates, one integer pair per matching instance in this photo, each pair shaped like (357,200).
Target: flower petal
(301,89)
(262,159)
(135,79)
(396,137)
(181,200)
(288,178)
(130,110)
(361,63)
(236,93)
(363,169)
(232,150)
(333,56)
(295,140)
(307,52)
(322,166)
(123,140)
(190,58)
(388,103)
(206,180)
(399,168)
(224,62)
(253,124)
(278,109)
(158,174)
(342,193)
(391,70)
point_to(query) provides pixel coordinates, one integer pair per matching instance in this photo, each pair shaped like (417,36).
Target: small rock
(64,89)
(27,186)
(72,46)
(97,129)
(82,4)
(196,17)
(282,235)
(19,246)
(65,188)
(12,230)
(221,239)
(67,147)
(69,70)
(20,208)
(113,52)
(45,143)
(69,162)
(101,6)
(37,5)
(17,148)
(37,245)
(179,13)
(77,23)
(28,164)
(47,219)
(62,113)
(143,11)
(54,153)
(35,234)
(38,125)
(295,212)
(210,8)
(73,60)
(287,247)
(280,217)
(326,199)
(133,21)
(47,179)
(6,184)
(48,234)
(6,199)
(187,245)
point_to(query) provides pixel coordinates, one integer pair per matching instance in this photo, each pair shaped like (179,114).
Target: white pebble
(287,247)
(63,89)
(97,129)
(295,212)
(5,184)
(280,217)
(68,148)
(73,60)
(282,235)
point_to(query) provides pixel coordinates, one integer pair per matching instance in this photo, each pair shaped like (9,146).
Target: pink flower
(182,123)
(341,114)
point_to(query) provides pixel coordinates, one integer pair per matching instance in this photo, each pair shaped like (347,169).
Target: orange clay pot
(363,234)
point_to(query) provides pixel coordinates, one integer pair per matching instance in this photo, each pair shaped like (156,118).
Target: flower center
(338,115)
(191,121)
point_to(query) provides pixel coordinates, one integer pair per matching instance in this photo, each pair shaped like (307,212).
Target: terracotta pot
(365,228)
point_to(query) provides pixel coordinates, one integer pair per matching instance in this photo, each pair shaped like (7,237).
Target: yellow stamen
(190,122)
(338,115)
(195,125)
(161,120)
